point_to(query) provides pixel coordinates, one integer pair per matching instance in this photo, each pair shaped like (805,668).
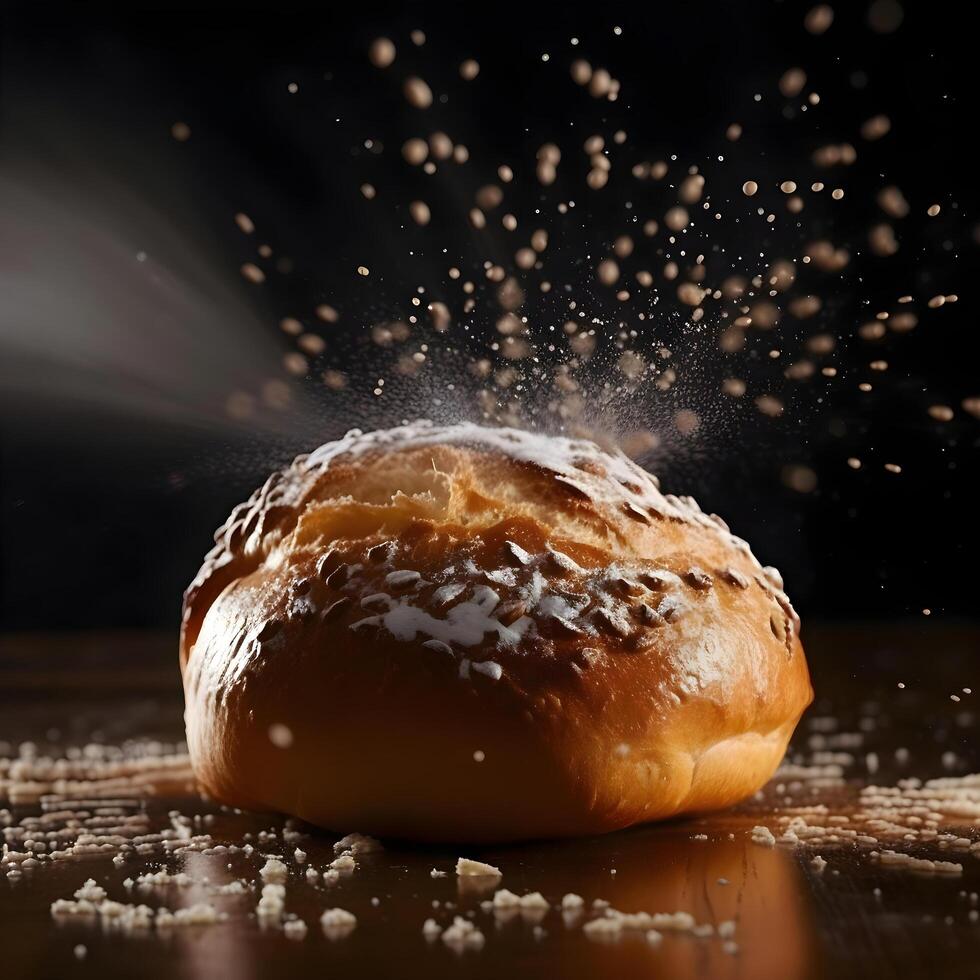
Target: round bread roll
(474,634)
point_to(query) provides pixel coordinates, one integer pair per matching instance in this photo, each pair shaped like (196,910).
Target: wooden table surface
(793,921)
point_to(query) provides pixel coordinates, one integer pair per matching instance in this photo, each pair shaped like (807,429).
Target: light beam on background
(107,305)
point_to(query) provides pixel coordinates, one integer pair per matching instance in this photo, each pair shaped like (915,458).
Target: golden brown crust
(409,602)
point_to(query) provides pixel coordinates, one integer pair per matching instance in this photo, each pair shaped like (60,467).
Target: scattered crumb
(467,868)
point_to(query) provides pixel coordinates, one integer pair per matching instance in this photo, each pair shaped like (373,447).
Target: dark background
(107,504)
